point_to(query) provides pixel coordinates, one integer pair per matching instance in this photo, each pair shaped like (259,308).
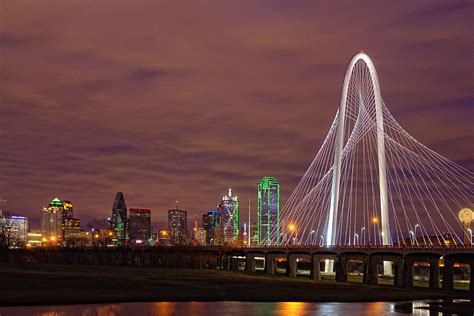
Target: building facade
(139,222)
(211,224)
(119,221)
(178,226)
(52,221)
(229,211)
(199,236)
(14,230)
(72,230)
(268,211)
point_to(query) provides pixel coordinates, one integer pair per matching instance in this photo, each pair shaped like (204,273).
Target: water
(215,308)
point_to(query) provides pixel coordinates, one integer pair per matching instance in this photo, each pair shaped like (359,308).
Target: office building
(210,223)
(33,239)
(253,231)
(52,221)
(139,223)
(119,222)
(15,228)
(199,236)
(72,229)
(178,226)
(268,211)
(229,212)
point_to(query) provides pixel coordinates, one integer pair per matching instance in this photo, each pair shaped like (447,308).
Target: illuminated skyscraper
(178,226)
(68,210)
(210,223)
(140,224)
(15,227)
(229,210)
(269,211)
(119,220)
(52,221)
(68,223)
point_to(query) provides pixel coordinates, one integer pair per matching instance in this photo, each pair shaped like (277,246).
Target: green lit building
(268,211)
(229,213)
(119,220)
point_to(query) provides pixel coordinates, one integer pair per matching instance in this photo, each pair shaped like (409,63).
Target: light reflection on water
(214,308)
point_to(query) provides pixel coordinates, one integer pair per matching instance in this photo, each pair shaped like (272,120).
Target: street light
(362,236)
(412,238)
(375,220)
(321,243)
(356,235)
(292,229)
(470,233)
(421,231)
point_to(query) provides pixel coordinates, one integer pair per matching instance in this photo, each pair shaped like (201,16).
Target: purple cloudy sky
(168,100)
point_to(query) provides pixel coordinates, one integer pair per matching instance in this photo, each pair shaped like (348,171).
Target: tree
(102,235)
(7,235)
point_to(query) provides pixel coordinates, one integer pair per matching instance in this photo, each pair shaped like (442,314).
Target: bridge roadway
(371,257)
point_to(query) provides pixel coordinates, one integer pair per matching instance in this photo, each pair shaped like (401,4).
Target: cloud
(166,101)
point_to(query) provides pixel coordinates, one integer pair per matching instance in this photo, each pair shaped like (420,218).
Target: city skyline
(113,108)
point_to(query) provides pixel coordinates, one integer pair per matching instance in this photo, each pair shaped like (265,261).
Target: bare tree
(102,234)
(7,235)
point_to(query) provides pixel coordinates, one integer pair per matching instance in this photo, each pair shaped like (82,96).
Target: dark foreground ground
(47,284)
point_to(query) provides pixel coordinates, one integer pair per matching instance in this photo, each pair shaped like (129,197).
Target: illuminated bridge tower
(350,81)
(269,211)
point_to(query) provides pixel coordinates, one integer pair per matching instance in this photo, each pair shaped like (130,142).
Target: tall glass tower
(119,219)
(269,211)
(229,210)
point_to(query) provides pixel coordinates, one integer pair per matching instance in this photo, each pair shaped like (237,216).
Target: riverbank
(47,284)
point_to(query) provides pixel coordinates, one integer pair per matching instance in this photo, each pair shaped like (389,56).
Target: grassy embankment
(33,284)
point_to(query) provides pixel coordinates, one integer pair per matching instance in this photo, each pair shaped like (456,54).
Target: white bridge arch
(332,223)
(371,182)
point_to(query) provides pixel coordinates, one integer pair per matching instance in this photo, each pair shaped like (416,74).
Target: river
(216,308)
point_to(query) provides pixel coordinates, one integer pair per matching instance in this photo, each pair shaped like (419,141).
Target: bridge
(372,194)
(373,258)
(371,182)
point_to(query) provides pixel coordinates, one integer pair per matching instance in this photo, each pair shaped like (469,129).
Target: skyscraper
(210,223)
(68,210)
(52,221)
(119,219)
(178,226)
(229,211)
(268,211)
(69,224)
(139,222)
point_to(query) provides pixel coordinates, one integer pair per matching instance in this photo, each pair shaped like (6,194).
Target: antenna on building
(248,233)
(230,192)
(177,202)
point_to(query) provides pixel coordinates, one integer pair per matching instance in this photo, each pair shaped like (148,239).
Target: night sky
(166,100)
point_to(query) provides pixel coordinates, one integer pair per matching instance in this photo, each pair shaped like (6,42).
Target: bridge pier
(448,270)
(341,269)
(344,260)
(316,264)
(376,259)
(270,262)
(292,270)
(250,262)
(409,260)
